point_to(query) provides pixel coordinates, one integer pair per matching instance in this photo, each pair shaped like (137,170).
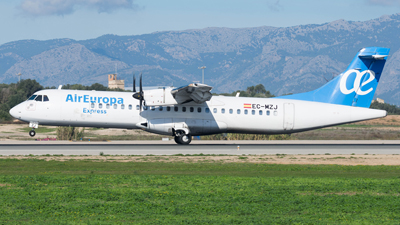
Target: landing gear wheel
(183,139)
(32,133)
(176,138)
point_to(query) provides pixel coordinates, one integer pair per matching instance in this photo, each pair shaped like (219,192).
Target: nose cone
(14,112)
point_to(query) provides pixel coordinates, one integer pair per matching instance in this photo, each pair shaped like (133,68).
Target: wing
(198,93)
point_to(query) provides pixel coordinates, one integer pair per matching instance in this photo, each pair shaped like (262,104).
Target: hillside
(286,60)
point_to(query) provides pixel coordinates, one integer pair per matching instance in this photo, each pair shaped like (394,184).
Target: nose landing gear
(32,133)
(34,125)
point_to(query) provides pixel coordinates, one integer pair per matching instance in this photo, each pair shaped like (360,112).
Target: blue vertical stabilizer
(355,86)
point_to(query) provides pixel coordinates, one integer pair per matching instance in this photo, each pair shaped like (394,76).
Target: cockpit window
(38,98)
(32,97)
(45,98)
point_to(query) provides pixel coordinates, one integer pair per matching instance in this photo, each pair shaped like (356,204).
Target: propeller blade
(138,95)
(134,82)
(141,88)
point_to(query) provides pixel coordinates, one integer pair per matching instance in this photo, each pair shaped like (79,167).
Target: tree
(70,133)
(391,109)
(97,87)
(28,87)
(257,91)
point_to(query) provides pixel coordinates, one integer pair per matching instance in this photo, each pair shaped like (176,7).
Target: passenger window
(168,108)
(207,110)
(183,109)
(260,112)
(230,111)
(152,108)
(215,110)
(130,107)
(107,106)
(238,111)
(115,106)
(32,97)
(268,112)
(191,109)
(176,108)
(45,98)
(122,106)
(246,111)
(137,107)
(222,110)
(92,105)
(160,108)
(38,98)
(199,109)
(100,105)
(253,112)
(275,113)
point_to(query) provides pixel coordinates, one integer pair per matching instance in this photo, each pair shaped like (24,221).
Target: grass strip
(85,192)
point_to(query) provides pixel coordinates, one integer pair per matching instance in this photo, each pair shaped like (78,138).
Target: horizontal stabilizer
(377,57)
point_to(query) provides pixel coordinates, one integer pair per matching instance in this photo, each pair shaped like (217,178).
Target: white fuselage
(220,114)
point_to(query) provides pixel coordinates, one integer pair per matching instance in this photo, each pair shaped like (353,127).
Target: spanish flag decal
(247,106)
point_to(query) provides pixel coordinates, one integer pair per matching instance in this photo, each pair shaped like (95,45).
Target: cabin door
(288,116)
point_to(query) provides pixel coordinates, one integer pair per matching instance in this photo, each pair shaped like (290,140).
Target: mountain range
(283,59)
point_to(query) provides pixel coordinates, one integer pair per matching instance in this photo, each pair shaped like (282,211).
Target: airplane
(193,111)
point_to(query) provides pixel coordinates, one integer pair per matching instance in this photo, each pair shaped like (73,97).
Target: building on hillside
(379,100)
(113,83)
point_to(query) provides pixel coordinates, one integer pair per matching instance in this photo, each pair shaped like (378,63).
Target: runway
(199,147)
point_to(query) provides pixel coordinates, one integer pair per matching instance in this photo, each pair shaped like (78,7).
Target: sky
(87,19)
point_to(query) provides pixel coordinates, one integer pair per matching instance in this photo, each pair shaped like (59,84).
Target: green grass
(39,130)
(83,167)
(86,192)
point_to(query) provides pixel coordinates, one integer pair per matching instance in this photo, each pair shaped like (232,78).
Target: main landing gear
(182,138)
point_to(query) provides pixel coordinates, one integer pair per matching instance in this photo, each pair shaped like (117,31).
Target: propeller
(139,95)
(134,82)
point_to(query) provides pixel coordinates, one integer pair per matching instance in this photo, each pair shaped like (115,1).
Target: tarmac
(292,147)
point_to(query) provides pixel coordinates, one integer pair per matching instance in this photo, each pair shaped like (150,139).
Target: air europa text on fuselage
(92,99)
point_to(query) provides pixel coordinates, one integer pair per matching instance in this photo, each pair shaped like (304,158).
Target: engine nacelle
(197,93)
(159,97)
